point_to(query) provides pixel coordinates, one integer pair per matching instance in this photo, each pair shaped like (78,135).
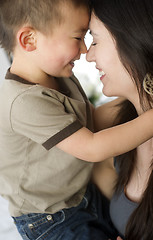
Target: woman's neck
(141,171)
(144,156)
(135,100)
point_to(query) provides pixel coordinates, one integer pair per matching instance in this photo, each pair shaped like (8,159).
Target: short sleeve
(42,117)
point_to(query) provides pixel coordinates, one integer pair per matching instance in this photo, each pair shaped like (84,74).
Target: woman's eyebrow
(92,33)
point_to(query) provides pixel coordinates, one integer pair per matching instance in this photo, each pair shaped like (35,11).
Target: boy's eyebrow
(82,30)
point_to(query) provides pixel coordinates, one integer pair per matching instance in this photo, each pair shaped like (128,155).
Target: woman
(122,49)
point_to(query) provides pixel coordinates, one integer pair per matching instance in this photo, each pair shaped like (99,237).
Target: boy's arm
(105,114)
(95,147)
(104,176)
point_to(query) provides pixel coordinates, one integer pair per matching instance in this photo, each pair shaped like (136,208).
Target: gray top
(121,208)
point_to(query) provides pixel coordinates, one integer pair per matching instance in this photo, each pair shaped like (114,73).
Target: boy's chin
(68,74)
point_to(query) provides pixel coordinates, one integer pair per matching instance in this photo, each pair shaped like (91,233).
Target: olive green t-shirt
(35,175)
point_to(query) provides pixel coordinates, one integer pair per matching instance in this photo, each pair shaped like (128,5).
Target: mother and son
(54,143)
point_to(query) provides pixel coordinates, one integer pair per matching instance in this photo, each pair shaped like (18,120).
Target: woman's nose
(90,55)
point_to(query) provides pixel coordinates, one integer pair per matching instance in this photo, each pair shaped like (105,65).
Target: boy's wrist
(149,119)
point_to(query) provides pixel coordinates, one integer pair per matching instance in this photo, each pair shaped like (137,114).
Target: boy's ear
(26,37)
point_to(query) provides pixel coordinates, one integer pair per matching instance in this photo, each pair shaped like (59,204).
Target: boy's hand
(118,238)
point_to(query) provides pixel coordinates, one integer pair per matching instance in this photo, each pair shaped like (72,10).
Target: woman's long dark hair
(140,224)
(131,24)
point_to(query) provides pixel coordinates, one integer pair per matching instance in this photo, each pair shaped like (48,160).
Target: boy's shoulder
(16,90)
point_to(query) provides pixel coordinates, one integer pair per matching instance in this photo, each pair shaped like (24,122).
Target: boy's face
(56,52)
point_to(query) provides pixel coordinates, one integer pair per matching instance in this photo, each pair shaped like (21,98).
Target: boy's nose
(90,55)
(83,49)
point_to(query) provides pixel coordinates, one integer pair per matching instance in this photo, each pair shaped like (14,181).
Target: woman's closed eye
(93,44)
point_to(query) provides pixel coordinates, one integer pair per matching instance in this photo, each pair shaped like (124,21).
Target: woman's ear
(26,37)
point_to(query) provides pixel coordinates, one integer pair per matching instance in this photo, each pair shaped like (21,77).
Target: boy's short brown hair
(37,13)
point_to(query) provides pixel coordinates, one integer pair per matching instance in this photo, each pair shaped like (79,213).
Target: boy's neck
(33,75)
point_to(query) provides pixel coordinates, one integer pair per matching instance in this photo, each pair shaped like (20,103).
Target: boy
(46,124)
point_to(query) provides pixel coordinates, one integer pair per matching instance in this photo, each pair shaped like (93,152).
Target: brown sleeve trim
(58,137)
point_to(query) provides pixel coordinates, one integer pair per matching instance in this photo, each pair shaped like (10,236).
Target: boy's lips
(72,63)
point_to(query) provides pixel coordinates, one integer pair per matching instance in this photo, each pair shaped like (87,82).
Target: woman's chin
(107,93)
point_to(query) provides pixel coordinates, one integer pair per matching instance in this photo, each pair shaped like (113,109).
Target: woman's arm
(96,147)
(105,176)
(105,115)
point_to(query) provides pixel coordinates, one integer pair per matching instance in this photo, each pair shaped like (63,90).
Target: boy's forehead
(77,15)
(78,20)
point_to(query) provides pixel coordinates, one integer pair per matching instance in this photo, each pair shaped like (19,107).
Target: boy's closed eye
(78,38)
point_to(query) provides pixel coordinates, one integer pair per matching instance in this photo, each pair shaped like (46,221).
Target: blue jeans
(88,221)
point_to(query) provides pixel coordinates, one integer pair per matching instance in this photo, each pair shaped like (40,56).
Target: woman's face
(116,80)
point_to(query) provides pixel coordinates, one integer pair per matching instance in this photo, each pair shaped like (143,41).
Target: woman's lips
(102,74)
